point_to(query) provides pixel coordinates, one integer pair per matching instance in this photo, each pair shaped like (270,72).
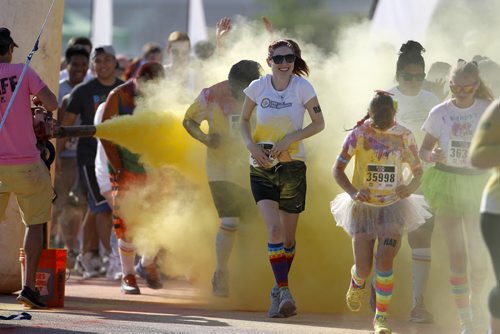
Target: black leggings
(490,226)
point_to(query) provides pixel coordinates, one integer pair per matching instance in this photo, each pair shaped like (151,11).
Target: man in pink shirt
(22,171)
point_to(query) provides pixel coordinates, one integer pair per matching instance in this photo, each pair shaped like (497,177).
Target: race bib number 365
(381,177)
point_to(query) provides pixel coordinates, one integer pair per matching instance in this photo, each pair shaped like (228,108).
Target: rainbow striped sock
(384,283)
(290,254)
(460,290)
(355,279)
(279,263)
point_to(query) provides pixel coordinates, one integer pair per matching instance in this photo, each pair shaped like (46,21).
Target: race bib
(234,126)
(458,153)
(267,146)
(381,177)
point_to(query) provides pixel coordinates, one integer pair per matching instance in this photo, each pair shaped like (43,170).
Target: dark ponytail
(410,53)
(380,107)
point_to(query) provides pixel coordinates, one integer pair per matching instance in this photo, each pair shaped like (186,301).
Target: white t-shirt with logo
(454,128)
(279,113)
(413,110)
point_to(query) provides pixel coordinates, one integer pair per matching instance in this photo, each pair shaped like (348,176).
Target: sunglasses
(467,89)
(278,59)
(410,77)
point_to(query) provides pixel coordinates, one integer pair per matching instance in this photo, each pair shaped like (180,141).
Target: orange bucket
(50,276)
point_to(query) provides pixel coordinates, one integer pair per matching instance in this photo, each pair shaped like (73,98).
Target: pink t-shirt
(17,138)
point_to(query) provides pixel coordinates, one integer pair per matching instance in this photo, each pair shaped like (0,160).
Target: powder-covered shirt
(222,111)
(17,137)
(413,110)
(122,100)
(280,112)
(379,160)
(454,128)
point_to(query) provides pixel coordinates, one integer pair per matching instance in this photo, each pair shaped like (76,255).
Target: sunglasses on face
(278,59)
(410,77)
(466,89)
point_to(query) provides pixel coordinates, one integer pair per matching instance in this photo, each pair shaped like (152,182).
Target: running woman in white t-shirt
(414,104)
(278,171)
(453,187)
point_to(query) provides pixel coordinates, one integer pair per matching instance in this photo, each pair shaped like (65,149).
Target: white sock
(127,256)
(224,241)
(421,265)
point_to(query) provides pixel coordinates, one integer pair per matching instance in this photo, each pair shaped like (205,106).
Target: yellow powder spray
(174,213)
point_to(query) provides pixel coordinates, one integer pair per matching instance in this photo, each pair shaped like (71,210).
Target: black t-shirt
(83,101)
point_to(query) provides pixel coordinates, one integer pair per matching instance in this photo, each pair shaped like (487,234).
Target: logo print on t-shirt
(9,82)
(268,103)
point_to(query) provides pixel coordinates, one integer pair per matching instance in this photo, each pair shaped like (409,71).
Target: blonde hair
(470,68)
(178,36)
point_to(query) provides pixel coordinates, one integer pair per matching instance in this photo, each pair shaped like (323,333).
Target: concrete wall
(24,18)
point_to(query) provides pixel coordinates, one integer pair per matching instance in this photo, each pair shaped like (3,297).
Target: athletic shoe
(71,259)
(30,298)
(354,297)
(114,271)
(380,325)
(101,264)
(287,306)
(275,303)
(420,315)
(78,268)
(150,275)
(220,284)
(89,265)
(129,285)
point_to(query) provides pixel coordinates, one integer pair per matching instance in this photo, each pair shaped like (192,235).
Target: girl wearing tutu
(453,187)
(376,204)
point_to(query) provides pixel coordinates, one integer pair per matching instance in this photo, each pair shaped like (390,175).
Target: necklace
(281,93)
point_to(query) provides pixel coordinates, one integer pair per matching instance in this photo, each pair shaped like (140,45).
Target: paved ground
(97,306)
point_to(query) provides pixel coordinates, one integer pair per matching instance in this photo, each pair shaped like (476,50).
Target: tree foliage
(312,20)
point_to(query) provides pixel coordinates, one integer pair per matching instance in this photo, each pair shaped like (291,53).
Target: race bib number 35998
(381,177)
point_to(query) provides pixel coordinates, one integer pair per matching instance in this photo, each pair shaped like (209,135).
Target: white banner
(397,21)
(102,22)
(197,27)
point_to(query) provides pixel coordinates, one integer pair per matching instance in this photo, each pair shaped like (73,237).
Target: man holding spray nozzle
(22,171)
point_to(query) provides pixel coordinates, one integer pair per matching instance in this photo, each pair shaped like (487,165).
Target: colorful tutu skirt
(366,221)
(448,190)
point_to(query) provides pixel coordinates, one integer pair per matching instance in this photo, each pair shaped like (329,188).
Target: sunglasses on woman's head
(278,59)
(466,89)
(410,77)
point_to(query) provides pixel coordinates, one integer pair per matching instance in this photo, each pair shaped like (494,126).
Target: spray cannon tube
(74,131)
(46,127)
